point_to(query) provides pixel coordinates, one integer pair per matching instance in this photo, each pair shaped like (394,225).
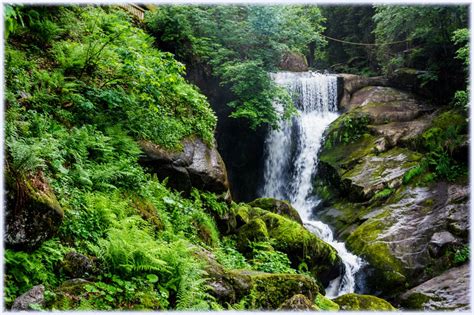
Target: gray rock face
(402,133)
(293,61)
(32,214)
(34,296)
(352,83)
(410,234)
(448,291)
(197,165)
(385,104)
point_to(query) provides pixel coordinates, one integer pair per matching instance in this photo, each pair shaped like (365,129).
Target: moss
(383,194)
(242,215)
(280,207)
(415,301)
(325,304)
(269,291)
(450,118)
(344,156)
(359,302)
(364,242)
(255,230)
(301,245)
(147,211)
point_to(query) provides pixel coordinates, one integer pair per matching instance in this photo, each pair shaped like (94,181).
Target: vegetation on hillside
(241,44)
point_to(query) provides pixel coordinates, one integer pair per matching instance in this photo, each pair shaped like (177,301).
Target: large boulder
(386,104)
(280,207)
(264,291)
(407,239)
(448,292)
(196,165)
(359,302)
(33,213)
(352,83)
(358,172)
(290,238)
(293,61)
(30,299)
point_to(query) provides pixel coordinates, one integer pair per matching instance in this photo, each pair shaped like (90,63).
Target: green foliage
(413,172)
(347,129)
(229,257)
(461,100)
(24,270)
(419,37)
(461,37)
(384,194)
(267,259)
(93,65)
(462,255)
(241,44)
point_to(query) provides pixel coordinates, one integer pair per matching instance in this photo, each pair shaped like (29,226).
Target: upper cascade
(311,91)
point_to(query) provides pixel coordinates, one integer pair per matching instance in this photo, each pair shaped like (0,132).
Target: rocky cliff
(393,182)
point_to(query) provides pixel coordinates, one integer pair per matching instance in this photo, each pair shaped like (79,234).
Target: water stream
(291,160)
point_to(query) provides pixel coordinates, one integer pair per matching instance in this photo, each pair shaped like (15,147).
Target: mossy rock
(270,291)
(301,245)
(359,302)
(147,211)
(357,172)
(280,207)
(254,231)
(364,242)
(68,295)
(324,304)
(33,214)
(298,302)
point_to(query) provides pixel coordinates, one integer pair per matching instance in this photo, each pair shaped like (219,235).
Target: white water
(291,159)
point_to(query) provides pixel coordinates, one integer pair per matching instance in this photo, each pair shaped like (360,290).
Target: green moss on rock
(269,291)
(324,304)
(359,302)
(280,207)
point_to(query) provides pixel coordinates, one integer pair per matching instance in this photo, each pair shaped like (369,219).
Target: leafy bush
(24,270)
(265,258)
(462,255)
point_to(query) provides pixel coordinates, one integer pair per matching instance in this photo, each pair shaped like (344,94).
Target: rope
(364,44)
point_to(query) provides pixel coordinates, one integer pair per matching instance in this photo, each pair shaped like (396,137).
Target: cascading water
(291,159)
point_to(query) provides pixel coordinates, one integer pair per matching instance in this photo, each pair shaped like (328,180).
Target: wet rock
(293,61)
(292,239)
(298,302)
(448,291)
(76,265)
(352,83)
(402,133)
(34,296)
(440,241)
(280,207)
(385,104)
(196,165)
(394,238)
(33,213)
(359,302)
(269,290)
(356,171)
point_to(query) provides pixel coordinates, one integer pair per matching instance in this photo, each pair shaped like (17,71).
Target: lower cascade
(291,159)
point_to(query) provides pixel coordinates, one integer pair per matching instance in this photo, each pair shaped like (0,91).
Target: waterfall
(291,159)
